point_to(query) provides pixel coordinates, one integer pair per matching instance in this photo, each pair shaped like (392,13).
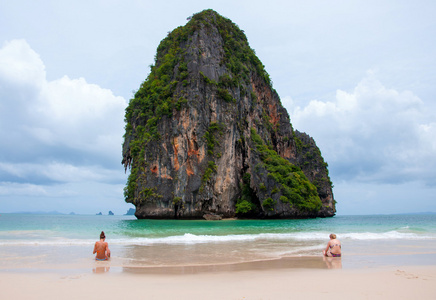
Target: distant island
(130,212)
(110,213)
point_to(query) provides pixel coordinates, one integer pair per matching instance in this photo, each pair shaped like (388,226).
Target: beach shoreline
(285,278)
(384,257)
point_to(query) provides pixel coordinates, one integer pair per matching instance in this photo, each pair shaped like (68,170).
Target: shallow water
(66,241)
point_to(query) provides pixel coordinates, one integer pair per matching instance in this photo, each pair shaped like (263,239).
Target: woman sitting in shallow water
(102,248)
(333,248)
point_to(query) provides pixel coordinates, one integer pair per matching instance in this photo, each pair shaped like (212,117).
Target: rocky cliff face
(207,135)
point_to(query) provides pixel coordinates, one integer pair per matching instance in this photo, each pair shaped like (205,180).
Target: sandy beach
(287,278)
(384,257)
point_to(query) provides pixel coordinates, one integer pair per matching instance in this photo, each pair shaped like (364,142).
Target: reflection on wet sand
(101,267)
(333,262)
(283,263)
(159,255)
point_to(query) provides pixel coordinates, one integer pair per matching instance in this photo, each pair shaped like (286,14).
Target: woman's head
(102,236)
(332,236)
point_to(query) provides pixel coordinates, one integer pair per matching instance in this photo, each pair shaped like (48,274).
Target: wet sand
(285,278)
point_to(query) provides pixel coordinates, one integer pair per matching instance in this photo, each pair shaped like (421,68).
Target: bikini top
(331,246)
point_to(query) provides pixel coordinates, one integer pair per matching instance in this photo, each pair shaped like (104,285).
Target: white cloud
(20,65)
(18,189)
(359,198)
(61,172)
(64,130)
(372,134)
(80,115)
(79,197)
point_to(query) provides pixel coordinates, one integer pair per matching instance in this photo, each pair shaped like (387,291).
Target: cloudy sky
(358,76)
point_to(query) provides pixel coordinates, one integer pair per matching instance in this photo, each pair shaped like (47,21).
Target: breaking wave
(191,239)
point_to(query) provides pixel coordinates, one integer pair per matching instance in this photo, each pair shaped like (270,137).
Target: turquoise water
(73,229)
(27,240)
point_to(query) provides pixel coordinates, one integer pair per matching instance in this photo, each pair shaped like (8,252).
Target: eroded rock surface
(206,134)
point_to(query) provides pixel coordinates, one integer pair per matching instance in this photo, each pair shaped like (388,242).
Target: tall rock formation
(206,134)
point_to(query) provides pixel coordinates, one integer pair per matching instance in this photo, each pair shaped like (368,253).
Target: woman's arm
(327,248)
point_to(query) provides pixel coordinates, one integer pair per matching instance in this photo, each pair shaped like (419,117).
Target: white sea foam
(390,235)
(191,239)
(188,238)
(60,242)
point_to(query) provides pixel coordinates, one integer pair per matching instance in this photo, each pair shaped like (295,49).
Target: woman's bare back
(101,248)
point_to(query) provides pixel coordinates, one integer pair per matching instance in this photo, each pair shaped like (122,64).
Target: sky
(357,76)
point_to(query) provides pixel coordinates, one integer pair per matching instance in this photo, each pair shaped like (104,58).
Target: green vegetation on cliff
(295,188)
(245,205)
(157,98)
(311,158)
(187,138)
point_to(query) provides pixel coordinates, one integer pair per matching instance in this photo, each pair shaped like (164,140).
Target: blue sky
(358,76)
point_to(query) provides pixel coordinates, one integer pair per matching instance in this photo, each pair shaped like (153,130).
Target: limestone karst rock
(206,134)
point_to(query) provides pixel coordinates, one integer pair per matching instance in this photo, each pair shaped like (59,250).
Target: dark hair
(102,236)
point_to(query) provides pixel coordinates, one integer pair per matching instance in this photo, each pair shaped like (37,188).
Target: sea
(37,241)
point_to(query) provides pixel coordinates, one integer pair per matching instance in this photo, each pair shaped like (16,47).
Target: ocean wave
(25,233)
(63,242)
(190,239)
(390,235)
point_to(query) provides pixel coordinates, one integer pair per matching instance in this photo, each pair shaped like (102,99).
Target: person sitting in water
(102,248)
(333,248)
